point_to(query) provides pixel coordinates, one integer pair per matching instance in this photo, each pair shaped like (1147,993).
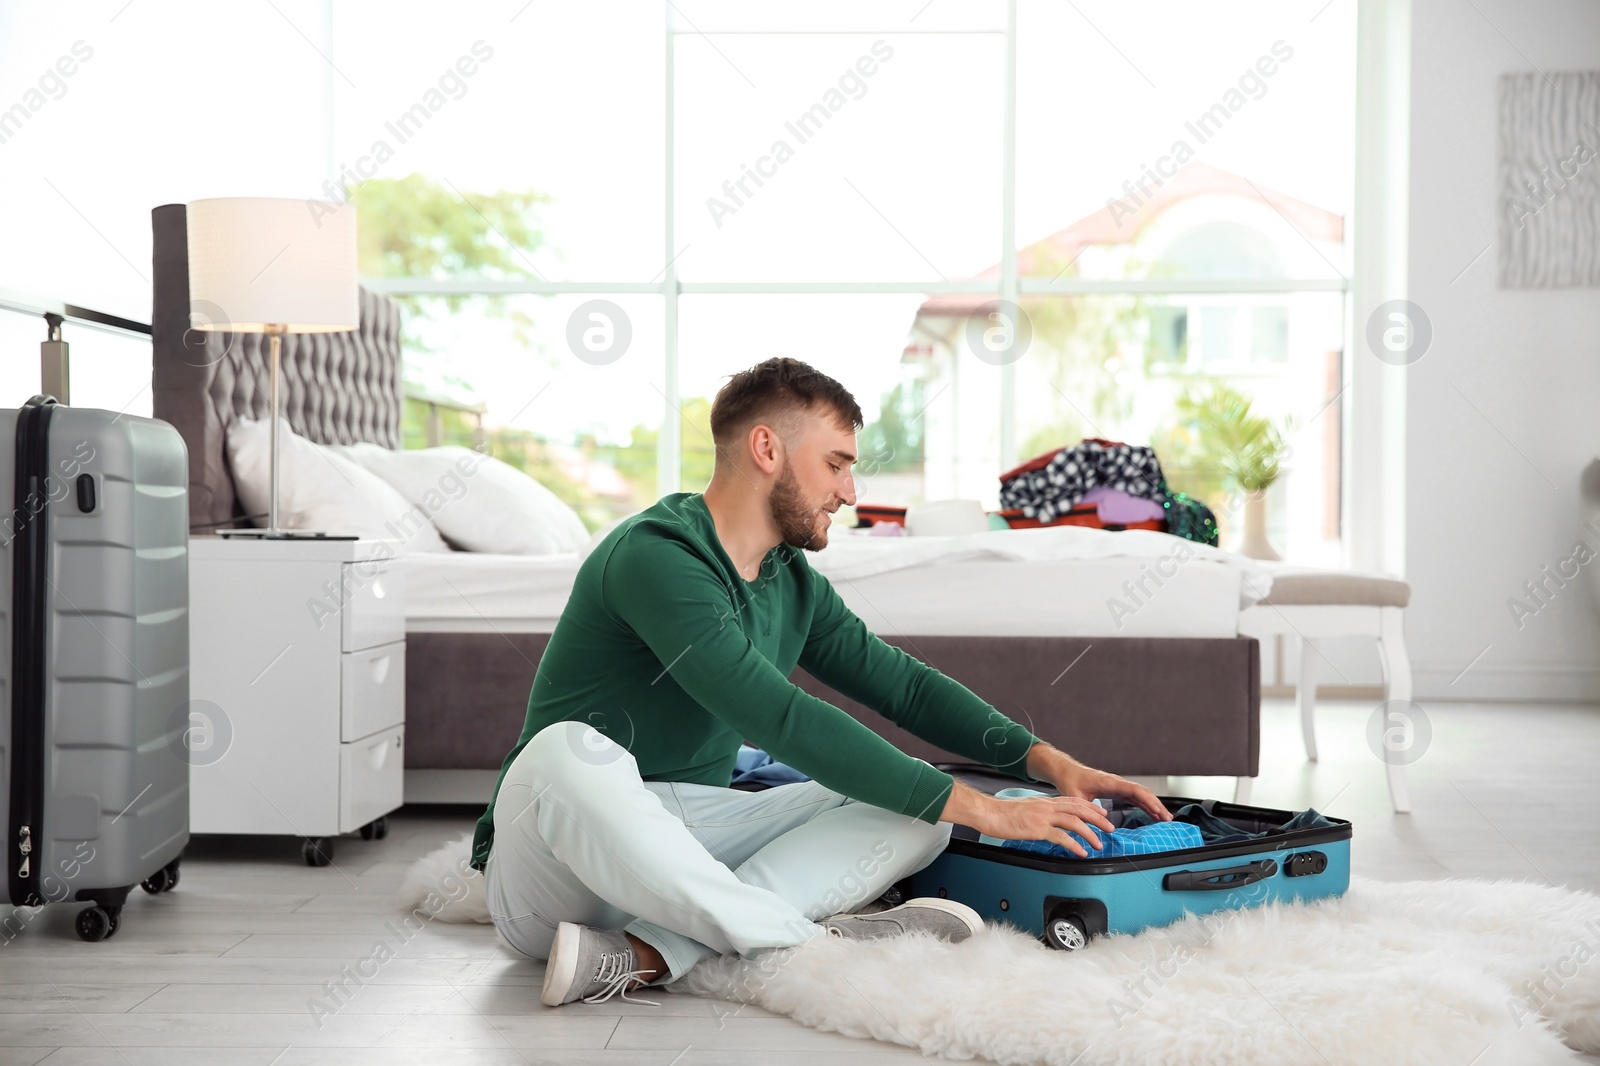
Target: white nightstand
(297,667)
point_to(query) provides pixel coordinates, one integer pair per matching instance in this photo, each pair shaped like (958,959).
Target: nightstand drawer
(375,604)
(371,777)
(372,690)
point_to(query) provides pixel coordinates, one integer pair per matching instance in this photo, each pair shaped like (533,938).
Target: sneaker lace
(615,977)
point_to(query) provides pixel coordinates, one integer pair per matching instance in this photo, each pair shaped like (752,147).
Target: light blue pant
(690,869)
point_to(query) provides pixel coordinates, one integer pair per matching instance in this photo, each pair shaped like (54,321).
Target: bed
(981,590)
(1164,685)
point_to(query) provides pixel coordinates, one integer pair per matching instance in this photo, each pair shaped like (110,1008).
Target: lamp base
(286,534)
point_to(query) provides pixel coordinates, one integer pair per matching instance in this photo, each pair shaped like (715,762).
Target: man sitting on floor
(615,849)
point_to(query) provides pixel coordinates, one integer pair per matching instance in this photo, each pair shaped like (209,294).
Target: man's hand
(1028,818)
(1075,780)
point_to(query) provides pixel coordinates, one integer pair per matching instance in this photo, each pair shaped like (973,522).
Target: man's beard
(796,520)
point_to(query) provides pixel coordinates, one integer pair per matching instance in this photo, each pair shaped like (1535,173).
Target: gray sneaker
(944,918)
(591,965)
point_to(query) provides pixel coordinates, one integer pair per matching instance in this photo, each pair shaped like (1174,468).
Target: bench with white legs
(1310,605)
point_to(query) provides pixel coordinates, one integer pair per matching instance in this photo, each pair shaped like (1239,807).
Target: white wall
(1503,411)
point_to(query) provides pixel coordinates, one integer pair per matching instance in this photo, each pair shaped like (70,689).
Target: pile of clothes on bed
(1123,483)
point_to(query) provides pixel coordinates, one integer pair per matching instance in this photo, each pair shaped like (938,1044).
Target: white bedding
(1050,598)
(472,592)
(1068,581)
(857,556)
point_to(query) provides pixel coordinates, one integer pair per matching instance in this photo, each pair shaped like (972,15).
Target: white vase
(1255,543)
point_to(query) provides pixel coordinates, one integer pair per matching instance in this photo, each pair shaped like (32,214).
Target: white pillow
(478,502)
(321,489)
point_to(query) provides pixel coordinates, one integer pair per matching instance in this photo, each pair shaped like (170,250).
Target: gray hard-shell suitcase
(94,772)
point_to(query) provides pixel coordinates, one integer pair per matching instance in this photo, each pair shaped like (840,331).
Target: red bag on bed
(870,514)
(1083,514)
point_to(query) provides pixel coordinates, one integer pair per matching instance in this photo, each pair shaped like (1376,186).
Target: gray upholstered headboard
(336,388)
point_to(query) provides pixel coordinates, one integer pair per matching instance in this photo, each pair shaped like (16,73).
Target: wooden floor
(226,968)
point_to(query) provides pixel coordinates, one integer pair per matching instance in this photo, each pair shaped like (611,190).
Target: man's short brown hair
(769,391)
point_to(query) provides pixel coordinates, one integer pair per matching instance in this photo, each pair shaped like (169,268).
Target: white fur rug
(1466,973)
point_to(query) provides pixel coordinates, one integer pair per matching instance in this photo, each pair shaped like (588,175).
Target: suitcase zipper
(29,558)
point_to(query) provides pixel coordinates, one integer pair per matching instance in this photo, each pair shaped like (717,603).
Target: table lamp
(273,266)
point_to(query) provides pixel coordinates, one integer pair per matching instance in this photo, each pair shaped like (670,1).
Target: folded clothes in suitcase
(1069,900)
(94,767)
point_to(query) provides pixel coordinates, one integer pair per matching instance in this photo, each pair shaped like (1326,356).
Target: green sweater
(667,650)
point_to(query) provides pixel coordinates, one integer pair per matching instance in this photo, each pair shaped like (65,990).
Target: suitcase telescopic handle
(1214,880)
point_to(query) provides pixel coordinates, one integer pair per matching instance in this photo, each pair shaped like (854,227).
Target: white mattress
(1010,583)
(1060,581)
(1050,598)
(479,593)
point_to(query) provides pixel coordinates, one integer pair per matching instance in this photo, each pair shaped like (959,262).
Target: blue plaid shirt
(1137,840)
(1140,840)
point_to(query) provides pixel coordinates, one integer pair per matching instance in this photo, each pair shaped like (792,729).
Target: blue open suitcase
(1066,901)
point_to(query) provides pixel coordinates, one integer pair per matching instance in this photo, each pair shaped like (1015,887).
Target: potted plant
(1247,449)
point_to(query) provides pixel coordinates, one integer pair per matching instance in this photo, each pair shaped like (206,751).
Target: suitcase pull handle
(1213,880)
(39,399)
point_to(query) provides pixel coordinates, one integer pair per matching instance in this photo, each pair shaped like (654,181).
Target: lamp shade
(256,262)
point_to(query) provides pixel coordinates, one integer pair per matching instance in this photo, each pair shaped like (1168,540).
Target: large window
(1165,370)
(835,157)
(1004,224)
(844,335)
(573,387)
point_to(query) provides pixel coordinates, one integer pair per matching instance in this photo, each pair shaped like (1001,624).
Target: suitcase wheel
(163,880)
(318,851)
(376,829)
(1065,931)
(97,923)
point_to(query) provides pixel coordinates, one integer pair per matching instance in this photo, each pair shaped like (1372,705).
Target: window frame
(1007,285)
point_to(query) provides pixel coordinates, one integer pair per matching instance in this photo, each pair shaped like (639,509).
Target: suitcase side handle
(1214,880)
